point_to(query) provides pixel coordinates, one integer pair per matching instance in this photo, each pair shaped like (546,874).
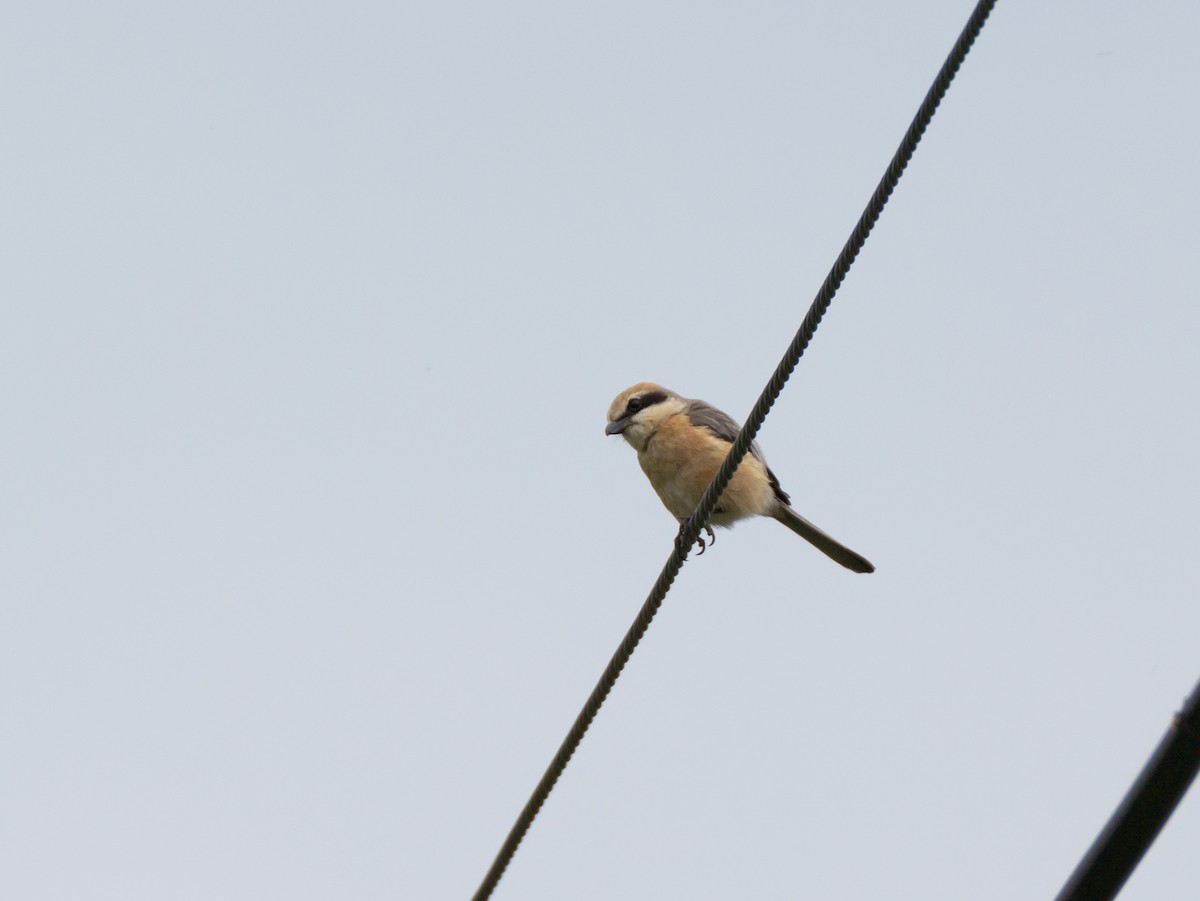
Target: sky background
(311,542)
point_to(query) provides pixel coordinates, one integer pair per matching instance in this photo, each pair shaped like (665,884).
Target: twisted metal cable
(837,274)
(1142,813)
(691,529)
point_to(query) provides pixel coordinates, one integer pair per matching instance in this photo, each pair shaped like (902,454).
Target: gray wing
(720,424)
(701,414)
(705,415)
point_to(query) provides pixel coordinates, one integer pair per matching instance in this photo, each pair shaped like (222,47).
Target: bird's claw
(712,539)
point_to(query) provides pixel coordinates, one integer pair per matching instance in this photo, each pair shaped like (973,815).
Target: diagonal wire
(691,529)
(1142,813)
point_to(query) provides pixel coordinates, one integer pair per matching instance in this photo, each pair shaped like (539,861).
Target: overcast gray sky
(311,541)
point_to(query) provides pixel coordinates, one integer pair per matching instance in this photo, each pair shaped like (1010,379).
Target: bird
(681,444)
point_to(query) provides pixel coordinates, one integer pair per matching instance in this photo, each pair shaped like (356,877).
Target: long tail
(822,542)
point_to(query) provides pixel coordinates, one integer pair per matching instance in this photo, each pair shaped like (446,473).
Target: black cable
(837,274)
(691,529)
(1143,811)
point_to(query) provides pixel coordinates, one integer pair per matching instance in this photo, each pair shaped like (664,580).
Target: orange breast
(680,462)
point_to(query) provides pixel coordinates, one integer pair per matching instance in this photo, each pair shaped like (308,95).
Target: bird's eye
(635,404)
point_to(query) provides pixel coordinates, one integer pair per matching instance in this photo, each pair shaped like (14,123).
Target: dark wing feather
(707,416)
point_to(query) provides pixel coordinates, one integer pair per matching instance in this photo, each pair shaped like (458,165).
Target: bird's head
(636,413)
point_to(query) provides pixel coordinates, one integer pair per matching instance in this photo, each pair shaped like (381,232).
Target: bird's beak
(616,428)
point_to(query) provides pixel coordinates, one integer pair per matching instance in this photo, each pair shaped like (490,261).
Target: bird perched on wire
(681,444)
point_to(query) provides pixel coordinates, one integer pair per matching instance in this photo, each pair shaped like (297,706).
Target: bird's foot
(712,539)
(679,545)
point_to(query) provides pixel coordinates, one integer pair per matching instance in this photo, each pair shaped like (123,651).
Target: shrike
(681,444)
